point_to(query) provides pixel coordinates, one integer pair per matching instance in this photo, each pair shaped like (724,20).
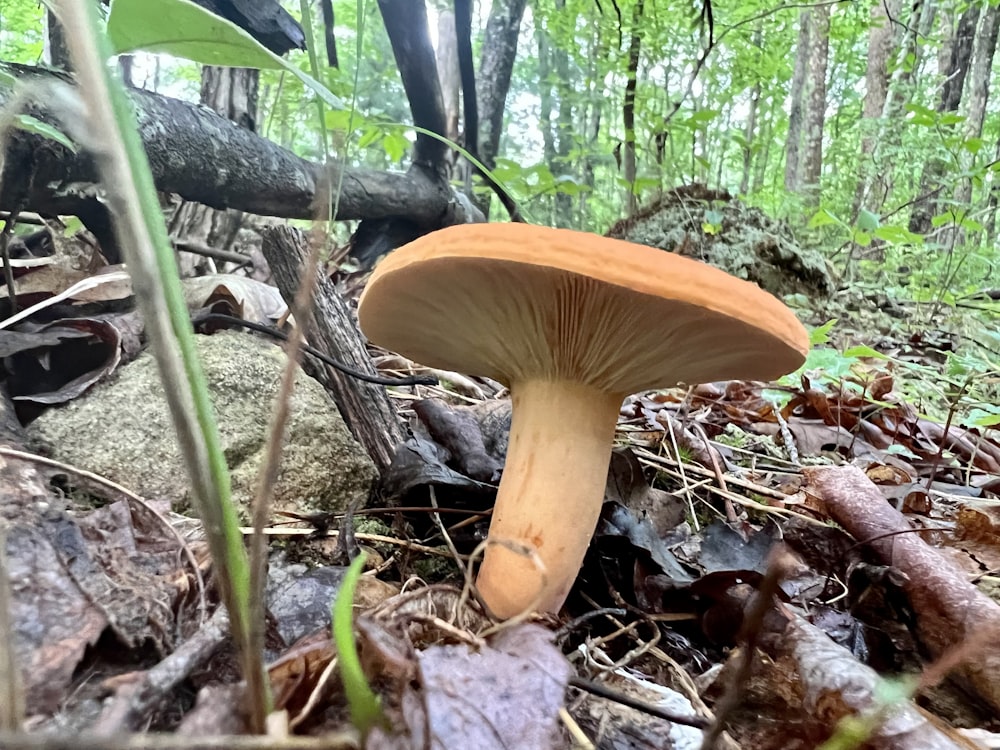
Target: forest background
(867,126)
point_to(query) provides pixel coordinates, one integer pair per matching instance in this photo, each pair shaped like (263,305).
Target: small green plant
(362,702)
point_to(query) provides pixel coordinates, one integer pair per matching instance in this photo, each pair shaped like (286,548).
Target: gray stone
(122,430)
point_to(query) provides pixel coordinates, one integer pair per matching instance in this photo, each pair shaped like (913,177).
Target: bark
(748,137)
(406,24)
(815,116)
(56,51)
(597,51)
(447,68)
(564,125)
(546,105)
(206,158)
(948,609)
(628,110)
(797,108)
(887,143)
(233,94)
(954,75)
(495,70)
(881,40)
(331,328)
(979,90)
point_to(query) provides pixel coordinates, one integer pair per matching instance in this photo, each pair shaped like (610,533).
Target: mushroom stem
(550,495)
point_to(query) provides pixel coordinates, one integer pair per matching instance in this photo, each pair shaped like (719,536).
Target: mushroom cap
(518,301)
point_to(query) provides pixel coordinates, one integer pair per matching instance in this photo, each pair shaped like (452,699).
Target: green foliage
(22,31)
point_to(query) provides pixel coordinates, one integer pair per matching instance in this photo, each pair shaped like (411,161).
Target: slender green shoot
(362,702)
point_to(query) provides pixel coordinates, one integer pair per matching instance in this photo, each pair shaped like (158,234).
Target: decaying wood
(366,407)
(950,612)
(835,685)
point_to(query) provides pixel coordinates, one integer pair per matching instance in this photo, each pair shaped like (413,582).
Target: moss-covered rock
(122,430)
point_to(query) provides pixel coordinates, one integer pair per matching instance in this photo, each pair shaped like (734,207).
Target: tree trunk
(628,111)
(926,207)
(182,140)
(881,40)
(331,328)
(56,51)
(819,46)
(232,93)
(979,88)
(907,62)
(546,105)
(493,82)
(446,55)
(797,108)
(564,126)
(749,131)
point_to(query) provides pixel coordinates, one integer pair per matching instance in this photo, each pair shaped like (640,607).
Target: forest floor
(775,565)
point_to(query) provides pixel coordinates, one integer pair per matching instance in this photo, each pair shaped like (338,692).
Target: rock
(714,227)
(122,430)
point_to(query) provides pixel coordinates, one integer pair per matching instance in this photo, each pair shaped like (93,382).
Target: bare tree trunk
(493,82)
(447,68)
(591,121)
(564,126)
(628,110)
(331,328)
(819,46)
(797,108)
(546,104)
(979,89)
(954,74)
(56,51)
(908,58)
(881,40)
(232,93)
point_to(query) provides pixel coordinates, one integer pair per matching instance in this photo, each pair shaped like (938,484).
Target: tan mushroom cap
(517,302)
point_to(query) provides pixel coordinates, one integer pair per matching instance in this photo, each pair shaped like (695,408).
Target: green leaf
(703,116)
(396,145)
(973,145)
(940,220)
(73,225)
(183,29)
(822,218)
(898,235)
(982,418)
(868,220)
(31,124)
(864,351)
(370,136)
(821,334)
(363,704)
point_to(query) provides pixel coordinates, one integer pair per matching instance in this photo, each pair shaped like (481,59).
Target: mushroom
(572,323)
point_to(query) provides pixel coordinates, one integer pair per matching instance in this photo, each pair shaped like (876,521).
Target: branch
(205,158)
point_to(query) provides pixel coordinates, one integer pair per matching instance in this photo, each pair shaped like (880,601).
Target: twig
(8,272)
(11,689)
(137,700)
(779,565)
(602,691)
